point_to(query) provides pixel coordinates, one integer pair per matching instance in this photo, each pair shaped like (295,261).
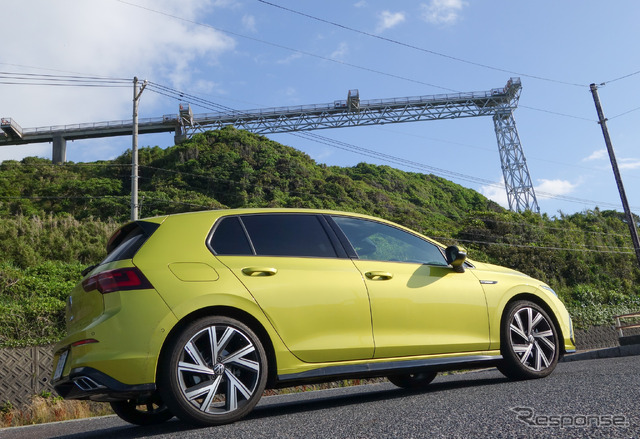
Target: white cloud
(105,38)
(496,193)
(546,188)
(341,51)
(596,155)
(629,163)
(625,163)
(442,11)
(249,23)
(325,153)
(290,92)
(360,4)
(18,152)
(289,59)
(222,3)
(387,20)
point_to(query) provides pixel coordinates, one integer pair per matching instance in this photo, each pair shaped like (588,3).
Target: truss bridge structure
(498,103)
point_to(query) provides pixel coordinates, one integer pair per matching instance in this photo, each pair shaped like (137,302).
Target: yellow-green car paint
(122,334)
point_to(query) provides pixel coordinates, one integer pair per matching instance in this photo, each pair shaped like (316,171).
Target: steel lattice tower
(517,181)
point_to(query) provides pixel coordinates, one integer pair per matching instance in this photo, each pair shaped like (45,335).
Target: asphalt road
(594,398)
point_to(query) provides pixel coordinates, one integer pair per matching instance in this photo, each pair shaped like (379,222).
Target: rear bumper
(89,383)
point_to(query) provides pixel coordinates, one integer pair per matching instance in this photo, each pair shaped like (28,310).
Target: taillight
(121,279)
(84,342)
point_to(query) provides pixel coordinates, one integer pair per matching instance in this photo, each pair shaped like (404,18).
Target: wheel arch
(541,303)
(231,312)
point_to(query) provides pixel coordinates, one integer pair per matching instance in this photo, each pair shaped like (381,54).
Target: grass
(46,408)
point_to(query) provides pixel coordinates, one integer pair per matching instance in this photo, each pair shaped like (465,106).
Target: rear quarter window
(230,239)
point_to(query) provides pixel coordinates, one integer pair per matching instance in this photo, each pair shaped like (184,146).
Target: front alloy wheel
(530,345)
(214,373)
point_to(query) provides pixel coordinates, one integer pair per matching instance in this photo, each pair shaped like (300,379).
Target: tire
(413,381)
(150,412)
(214,371)
(529,342)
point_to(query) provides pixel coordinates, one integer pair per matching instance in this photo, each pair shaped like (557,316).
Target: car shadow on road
(292,404)
(366,393)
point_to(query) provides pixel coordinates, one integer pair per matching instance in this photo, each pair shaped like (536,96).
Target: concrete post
(59,155)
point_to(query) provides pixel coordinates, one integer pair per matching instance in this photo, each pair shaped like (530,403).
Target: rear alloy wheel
(530,344)
(148,412)
(214,372)
(413,381)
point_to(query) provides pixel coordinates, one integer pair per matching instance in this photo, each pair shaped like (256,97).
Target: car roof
(218,213)
(258,210)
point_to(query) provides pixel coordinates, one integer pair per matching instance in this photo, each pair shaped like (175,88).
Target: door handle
(259,271)
(378,275)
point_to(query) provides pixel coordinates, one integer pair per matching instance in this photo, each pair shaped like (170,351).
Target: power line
(389,158)
(208,104)
(517,223)
(626,112)
(437,171)
(333,60)
(621,77)
(433,52)
(22,66)
(290,192)
(57,84)
(374,154)
(190,203)
(557,113)
(19,78)
(537,247)
(55,197)
(534,245)
(329,142)
(493,150)
(182,96)
(63,77)
(150,200)
(346,146)
(280,46)
(421,49)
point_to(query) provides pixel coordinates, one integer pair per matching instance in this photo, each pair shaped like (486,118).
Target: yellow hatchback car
(195,314)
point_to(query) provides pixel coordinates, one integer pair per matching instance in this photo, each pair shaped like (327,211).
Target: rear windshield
(127,240)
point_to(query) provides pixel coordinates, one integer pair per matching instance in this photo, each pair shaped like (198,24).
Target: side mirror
(456,257)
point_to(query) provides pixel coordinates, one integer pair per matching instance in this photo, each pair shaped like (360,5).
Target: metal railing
(620,327)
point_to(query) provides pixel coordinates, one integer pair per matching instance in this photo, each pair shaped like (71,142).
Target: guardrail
(621,327)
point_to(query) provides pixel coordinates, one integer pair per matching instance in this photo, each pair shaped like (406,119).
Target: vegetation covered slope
(55,219)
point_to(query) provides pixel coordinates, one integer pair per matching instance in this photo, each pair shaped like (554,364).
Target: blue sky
(249,54)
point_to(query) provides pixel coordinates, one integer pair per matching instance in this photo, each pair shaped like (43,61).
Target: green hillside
(55,219)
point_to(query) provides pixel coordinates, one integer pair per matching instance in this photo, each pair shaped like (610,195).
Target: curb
(619,351)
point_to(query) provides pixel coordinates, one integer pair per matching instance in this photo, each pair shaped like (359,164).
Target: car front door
(302,279)
(419,304)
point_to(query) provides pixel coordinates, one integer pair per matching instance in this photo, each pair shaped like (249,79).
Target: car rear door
(297,271)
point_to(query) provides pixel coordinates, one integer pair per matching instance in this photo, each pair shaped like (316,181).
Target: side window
(229,238)
(288,235)
(381,242)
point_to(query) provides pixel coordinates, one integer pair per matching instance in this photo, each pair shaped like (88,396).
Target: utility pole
(616,172)
(134,149)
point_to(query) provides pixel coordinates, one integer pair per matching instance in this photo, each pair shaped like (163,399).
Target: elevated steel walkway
(498,103)
(341,113)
